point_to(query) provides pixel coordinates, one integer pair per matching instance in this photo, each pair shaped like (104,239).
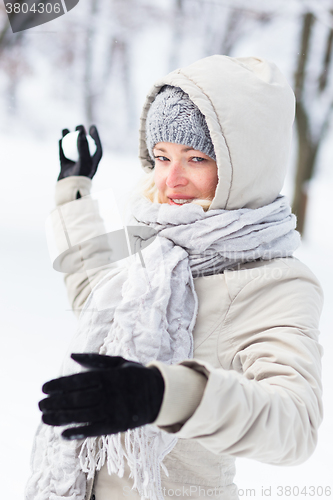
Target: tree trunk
(89,91)
(309,141)
(235,18)
(177,34)
(3,33)
(304,154)
(125,80)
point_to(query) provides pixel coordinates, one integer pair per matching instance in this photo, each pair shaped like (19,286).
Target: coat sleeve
(267,406)
(79,237)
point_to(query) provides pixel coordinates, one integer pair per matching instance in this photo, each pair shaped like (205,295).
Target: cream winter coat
(253,388)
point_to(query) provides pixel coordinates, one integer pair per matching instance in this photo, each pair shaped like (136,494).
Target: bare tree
(4,26)
(177,27)
(12,65)
(89,83)
(212,26)
(111,30)
(314,104)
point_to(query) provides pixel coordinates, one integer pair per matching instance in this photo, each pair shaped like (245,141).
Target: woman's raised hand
(86,164)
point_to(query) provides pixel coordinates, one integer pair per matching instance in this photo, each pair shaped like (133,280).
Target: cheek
(213,182)
(159,179)
(208,183)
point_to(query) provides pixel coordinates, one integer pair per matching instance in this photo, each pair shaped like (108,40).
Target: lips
(179,200)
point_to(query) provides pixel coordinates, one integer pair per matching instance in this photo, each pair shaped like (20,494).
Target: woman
(211,337)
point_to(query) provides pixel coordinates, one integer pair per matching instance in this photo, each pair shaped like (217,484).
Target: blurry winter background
(95,65)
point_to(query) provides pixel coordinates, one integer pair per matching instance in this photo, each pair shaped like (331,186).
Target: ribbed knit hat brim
(174,118)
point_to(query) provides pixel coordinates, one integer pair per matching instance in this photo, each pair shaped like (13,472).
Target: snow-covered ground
(36,323)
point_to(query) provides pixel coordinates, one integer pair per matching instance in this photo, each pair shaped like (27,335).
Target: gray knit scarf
(148,312)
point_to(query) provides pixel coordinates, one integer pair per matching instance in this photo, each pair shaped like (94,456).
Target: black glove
(113,396)
(86,164)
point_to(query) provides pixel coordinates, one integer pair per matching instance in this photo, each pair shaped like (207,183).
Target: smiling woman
(207,348)
(179,142)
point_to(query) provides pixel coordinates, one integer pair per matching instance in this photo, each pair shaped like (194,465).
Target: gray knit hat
(173,117)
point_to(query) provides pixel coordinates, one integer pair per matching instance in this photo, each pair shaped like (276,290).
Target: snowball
(69,145)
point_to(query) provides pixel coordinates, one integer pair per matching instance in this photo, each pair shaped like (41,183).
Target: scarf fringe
(141,452)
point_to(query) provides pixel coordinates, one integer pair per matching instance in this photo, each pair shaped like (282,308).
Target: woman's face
(183,174)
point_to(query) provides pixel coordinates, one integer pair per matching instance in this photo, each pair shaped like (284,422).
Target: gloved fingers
(82,144)
(92,430)
(71,400)
(65,417)
(81,129)
(61,153)
(81,432)
(72,383)
(76,433)
(99,151)
(67,166)
(94,134)
(98,361)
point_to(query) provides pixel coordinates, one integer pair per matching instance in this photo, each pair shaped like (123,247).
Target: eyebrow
(183,149)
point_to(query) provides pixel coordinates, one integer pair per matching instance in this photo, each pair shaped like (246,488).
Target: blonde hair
(147,187)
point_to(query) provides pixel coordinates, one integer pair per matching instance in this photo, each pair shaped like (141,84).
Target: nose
(176,175)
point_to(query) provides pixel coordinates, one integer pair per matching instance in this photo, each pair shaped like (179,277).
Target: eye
(161,158)
(197,159)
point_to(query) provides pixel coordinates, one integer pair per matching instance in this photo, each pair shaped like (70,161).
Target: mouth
(179,201)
